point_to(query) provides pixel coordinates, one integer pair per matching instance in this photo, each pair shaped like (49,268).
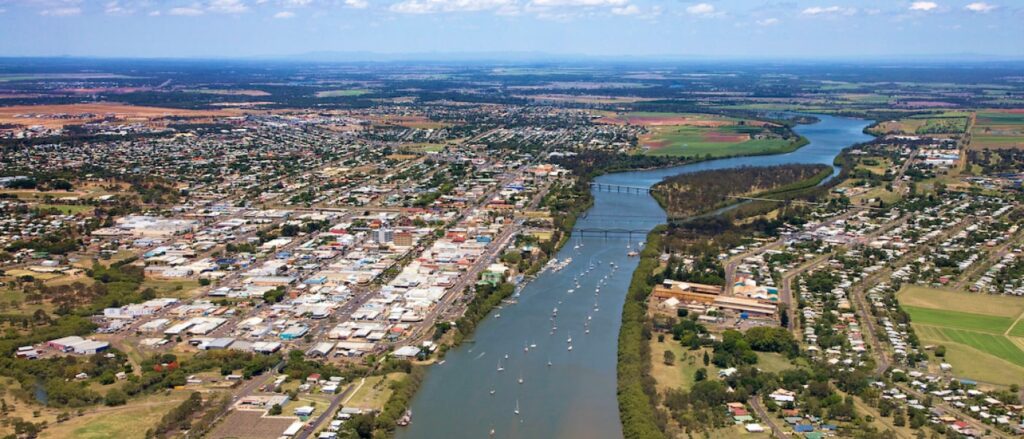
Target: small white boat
(517,407)
(533,345)
(493,391)
(521,379)
(570,347)
(497,316)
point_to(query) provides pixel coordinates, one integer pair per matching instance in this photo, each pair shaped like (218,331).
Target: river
(574,396)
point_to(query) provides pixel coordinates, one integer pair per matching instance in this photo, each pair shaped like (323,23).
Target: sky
(728,29)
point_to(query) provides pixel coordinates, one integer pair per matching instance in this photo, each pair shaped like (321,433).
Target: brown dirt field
(248,424)
(420,122)
(46,114)
(655,121)
(232,92)
(96,90)
(653,144)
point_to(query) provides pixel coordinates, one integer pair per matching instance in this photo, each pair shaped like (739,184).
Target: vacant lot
(923,297)
(250,424)
(129,421)
(979,331)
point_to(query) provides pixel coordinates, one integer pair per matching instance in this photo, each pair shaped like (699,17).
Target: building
(686,291)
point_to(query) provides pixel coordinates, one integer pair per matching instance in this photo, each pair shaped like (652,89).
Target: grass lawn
(773,362)
(171,288)
(973,363)
(981,337)
(67,209)
(680,374)
(991,305)
(128,421)
(958,320)
(374,392)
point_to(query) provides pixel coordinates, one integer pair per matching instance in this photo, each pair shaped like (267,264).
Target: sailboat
(517,407)
(500,369)
(549,362)
(520,379)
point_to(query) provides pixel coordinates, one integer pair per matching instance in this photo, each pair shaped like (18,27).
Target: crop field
(982,335)
(341,93)
(998,129)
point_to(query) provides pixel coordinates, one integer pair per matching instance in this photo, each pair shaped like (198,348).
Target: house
(783,396)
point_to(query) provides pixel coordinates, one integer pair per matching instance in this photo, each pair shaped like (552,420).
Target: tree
(707,359)
(700,375)
(115,397)
(940,351)
(274,410)
(670,358)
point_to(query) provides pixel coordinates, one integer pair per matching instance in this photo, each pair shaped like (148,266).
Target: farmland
(701,135)
(946,123)
(998,129)
(341,93)
(981,338)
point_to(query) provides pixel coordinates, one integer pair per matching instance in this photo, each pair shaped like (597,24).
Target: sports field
(983,334)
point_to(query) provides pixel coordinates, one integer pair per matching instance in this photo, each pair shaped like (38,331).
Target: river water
(574,396)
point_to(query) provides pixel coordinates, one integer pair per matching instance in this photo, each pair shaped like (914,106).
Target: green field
(982,336)
(341,93)
(959,320)
(994,129)
(702,141)
(67,209)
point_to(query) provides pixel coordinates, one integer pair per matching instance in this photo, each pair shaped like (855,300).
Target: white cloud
(626,10)
(228,6)
(61,12)
(154,13)
(923,6)
(185,12)
(284,14)
(357,4)
(980,7)
(297,3)
(585,3)
(115,8)
(700,9)
(771,21)
(829,10)
(432,6)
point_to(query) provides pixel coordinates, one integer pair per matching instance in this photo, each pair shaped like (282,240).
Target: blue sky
(703,28)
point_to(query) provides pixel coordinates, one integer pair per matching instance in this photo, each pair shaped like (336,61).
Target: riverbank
(574,397)
(636,393)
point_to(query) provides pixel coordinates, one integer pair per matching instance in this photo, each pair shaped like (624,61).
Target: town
(342,252)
